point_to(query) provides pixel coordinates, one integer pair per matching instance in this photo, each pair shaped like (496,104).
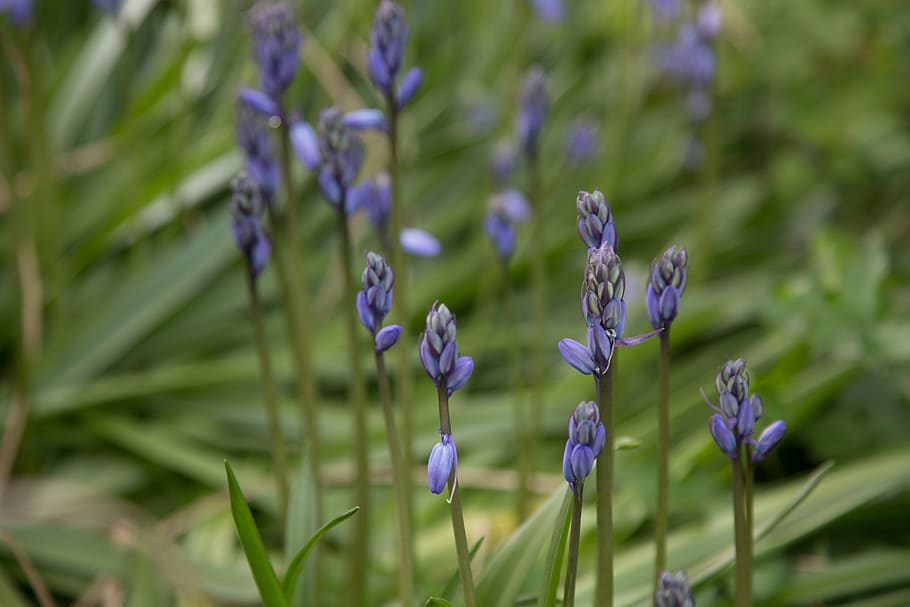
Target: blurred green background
(126,336)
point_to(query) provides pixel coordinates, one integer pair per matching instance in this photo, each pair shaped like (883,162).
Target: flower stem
(750,521)
(279,458)
(739,534)
(526,456)
(603,596)
(663,449)
(539,300)
(360,548)
(400,475)
(568,598)
(400,303)
(461,540)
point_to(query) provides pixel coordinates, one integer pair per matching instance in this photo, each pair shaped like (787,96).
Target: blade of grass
(290,577)
(556,554)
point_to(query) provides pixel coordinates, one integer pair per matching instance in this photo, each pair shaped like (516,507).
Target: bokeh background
(127,344)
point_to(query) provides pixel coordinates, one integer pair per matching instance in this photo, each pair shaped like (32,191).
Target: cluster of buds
(504,210)
(245,225)
(442,464)
(587,436)
(439,350)
(665,287)
(532,112)
(737,413)
(673,591)
(276,46)
(375,300)
(388,38)
(341,155)
(255,140)
(595,220)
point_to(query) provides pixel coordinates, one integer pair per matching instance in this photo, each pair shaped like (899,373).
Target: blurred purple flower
(255,139)
(341,155)
(245,224)
(276,46)
(19,11)
(419,243)
(503,211)
(582,142)
(388,38)
(549,10)
(532,111)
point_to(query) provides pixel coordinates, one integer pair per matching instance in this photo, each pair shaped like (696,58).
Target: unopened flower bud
(673,591)
(768,440)
(723,436)
(442,464)
(277,43)
(595,219)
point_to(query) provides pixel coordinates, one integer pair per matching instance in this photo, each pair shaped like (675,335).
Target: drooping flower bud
(277,43)
(533,106)
(603,289)
(723,436)
(439,351)
(673,591)
(255,139)
(341,155)
(768,440)
(245,225)
(442,464)
(587,436)
(595,220)
(665,287)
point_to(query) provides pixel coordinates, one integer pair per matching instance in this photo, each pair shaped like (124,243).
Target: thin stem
(279,457)
(400,303)
(568,597)
(526,455)
(461,539)
(539,313)
(739,530)
(402,487)
(603,597)
(663,450)
(750,520)
(360,548)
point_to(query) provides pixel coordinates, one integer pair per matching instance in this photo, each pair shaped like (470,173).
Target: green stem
(568,596)
(539,300)
(750,520)
(739,534)
(273,414)
(360,549)
(400,303)
(663,450)
(402,488)
(603,596)
(461,539)
(526,455)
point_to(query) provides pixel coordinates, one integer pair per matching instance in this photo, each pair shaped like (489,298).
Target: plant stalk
(525,448)
(360,549)
(568,597)
(461,540)
(400,475)
(750,521)
(739,532)
(279,458)
(603,596)
(663,450)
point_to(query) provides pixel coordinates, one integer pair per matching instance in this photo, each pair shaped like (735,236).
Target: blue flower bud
(582,143)
(259,101)
(603,289)
(410,84)
(464,367)
(277,43)
(723,436)
(582,461)
(768,440)
(366,119)
(745,420)
(305,144)
(388,37)
(245,225)
(439,350)
(577,355)
(673,591)
(600,346)
(757,408)
(709,20)
(386,338)
(666,284)
(442,464)
(533,106)
(419,243)
(341,155)
(729,406)
(587,436)
(373,197)
(255,139)
(501,232)
(595,220)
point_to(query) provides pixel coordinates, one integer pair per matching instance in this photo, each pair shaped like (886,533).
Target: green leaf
(293,572)
(626,443)
(301,525)
(556,554)
(434,601)
(263,574)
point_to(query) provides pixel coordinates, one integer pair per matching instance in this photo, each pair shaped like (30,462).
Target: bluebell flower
(768,440)
(439,350)
(666,284)
(245,224)
(587,436)
(673,591)
(549,10)
(595,220)
(255,139)
(375,300)
(533,106)
(276,46)
(442,464)
(20,11)
(504,210)
(340,157)
(419,243)
(582,142)
(388,38)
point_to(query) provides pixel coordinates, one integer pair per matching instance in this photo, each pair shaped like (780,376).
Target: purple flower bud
(673,591)
(305,144)
(729,406)
(603,289)
(587,436)
(464,367)
(375,300)
(549,10)
(439,350)
(388,37)
(733,378)
(277,43)
(582,143)
(501,232)
(245,224)
(365,119)
(533,106)
(723,436)
(20,11)
(259,101)
(666,10)
(255,139)
(373,197)
(582,462)
(419,243)
(666,284)
(386,338)
(768,440)
(514,205)
(745,420)
(757,409)
(410,84)
(341,154)
(577,355)
(442,464)
(709,20)
(595,220)
(600,347)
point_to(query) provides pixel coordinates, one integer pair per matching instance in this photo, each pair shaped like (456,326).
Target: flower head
(665,287)
(388,38)
(582,144)
(587,436)
(532,112)
(595,220)
(276,46)
(603,289)
(245,225)
(504,210)
(442,464)
(673,590)
(439,351)
(375,301)
(341,154)
(255,139)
